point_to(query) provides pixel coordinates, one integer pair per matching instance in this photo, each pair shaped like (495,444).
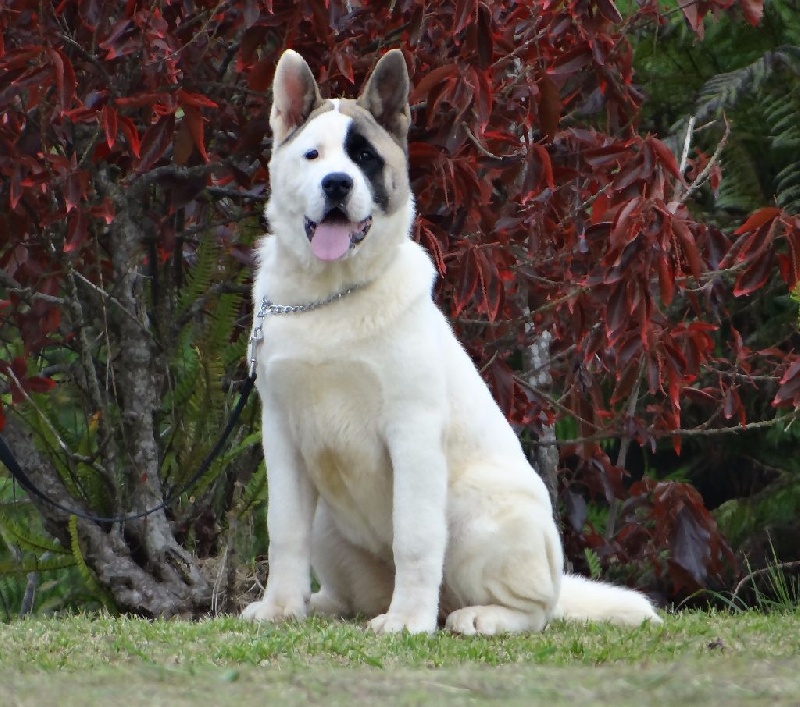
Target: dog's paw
(395,622)
(491,620)
(269,610)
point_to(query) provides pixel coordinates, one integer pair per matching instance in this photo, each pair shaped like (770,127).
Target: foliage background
(554,195)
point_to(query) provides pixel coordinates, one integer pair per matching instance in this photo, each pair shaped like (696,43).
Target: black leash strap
(7,457)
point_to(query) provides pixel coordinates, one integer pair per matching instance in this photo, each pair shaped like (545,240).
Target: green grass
(692,658)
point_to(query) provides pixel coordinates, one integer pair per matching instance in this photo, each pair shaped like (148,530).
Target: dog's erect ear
(295,95)
(386,95)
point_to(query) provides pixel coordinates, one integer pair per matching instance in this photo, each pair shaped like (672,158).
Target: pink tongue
(331,240)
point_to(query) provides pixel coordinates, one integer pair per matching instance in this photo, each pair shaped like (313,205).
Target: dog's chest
(333,411)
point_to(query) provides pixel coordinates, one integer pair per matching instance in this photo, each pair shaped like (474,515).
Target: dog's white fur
(390,467)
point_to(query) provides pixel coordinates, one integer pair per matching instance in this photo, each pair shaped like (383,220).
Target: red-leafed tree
(133,152)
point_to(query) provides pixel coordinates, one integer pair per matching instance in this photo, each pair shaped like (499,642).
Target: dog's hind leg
(503,566)
(352,580)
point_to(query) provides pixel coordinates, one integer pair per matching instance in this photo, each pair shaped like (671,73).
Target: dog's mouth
(335,234)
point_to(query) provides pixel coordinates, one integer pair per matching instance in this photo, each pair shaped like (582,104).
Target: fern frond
(34,564)
(782,116)
(77,553)
(201,275)
(723,92)
(255,491)
(27,538)
(740,188)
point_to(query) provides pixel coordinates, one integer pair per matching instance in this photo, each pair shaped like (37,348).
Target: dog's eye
(366,155)
(311,155)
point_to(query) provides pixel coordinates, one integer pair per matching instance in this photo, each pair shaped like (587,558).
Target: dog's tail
(584,599)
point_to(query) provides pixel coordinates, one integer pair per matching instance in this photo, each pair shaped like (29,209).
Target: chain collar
(269,307)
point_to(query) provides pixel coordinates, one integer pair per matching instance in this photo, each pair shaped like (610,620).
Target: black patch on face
(367,159)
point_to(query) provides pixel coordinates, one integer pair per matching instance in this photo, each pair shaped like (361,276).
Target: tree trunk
(135,588)
(139,562)
(546,452)
(140,374)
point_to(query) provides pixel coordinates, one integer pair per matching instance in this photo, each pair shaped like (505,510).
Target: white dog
(391,470)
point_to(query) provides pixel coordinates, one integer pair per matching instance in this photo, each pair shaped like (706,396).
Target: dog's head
(339,172)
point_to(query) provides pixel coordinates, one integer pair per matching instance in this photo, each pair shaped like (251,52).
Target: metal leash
(269,307)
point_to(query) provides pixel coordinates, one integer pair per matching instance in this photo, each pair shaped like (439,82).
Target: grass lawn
(693,658)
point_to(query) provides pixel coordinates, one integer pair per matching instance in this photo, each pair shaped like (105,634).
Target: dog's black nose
(337,185)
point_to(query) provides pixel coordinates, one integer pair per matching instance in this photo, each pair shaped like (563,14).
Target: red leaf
(689,246)
(155,142)
(139,100)
(789,390)
(469,281)
(435,77)
(609,10)
(65,78)
(754,277)
(75,187)
(77,229)
(693,17)
(546,166)
(131,135)
(260,76)
(345,65)
(50,320)
(105,211)
(666,279)
(753,10)
(758,218)
(183,145)
(571,62)
(617,308)
(483,97)
(196,100)
(485,40)
(108,119)
(793,238)
(503,384)
(625,383)
(194,122)
(114,43)
(619,235)
(15,186)
(666,157)
(690,544)
(465,13)
(39,384)
(549,108)
(491,286)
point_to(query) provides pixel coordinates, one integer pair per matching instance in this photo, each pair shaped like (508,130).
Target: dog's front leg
(290,512)
(419,522)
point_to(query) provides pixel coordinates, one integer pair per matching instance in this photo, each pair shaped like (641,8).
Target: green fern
(782,115)
(593,563)
(723,92)
(761,159)
(36,564)
(209,347)
(740,188)
(27,538)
